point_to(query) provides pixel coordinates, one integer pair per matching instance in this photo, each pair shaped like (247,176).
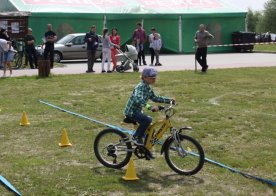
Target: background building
(176,20)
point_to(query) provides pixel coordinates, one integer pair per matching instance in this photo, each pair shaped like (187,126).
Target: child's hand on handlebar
(173,101)
(155,108)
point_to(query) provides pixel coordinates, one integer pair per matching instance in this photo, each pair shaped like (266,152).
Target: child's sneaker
(149,155)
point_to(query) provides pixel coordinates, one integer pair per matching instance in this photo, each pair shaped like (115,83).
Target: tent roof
(7,14)
(126,6)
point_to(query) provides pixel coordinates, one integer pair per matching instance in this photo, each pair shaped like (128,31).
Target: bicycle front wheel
(111,149)
(17,60)
(185,157)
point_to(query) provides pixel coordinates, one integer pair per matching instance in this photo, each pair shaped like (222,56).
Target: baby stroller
(127,59)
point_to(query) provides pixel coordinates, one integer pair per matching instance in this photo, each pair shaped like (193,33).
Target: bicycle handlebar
(168,109)
(160,107)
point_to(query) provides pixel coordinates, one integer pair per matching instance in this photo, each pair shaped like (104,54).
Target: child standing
(140,50)
(156,45)
(107,50)
(138,99)
(115,39)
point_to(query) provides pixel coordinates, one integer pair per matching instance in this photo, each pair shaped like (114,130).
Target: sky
(256,5)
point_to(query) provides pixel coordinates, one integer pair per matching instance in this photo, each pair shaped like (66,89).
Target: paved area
(173,62)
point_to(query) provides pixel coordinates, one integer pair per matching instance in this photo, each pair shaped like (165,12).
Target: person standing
(139,37)
(156,45)
(107,44)
(115,39)
(7,51)
(201,39)
(92,40)
(152,52)
(267,37)
(8,54)
(50,38)
(140,49)
(30,48)
(2,36)
(1,58)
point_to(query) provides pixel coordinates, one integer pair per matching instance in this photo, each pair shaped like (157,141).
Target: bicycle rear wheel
(111,149)
(185,159)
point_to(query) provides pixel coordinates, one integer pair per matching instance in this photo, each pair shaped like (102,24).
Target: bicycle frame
(154,135)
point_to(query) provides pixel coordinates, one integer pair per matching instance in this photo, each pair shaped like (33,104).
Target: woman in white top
(7,53)
(106,51)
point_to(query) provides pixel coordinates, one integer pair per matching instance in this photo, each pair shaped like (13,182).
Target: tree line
(262,21)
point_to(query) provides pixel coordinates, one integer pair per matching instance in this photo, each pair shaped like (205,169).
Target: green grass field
(265,48)
(232,111)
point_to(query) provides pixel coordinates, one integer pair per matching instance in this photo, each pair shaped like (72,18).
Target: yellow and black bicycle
(183,154)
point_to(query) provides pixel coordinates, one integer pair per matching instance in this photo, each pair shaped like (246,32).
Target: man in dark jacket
(92,40)
(50,38)
(139,37)
(30,48)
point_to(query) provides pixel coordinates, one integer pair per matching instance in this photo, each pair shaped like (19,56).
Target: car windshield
(65,39)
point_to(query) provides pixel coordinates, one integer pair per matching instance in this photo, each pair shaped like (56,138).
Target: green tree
(254,21)
(270,16)
(260,24)
(251,23)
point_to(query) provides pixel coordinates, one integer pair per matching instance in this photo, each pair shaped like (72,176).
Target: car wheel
(57,57)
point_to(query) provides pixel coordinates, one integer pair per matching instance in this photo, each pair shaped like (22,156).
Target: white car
(71,47)
(273,37)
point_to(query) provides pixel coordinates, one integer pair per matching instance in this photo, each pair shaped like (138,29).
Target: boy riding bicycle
(138,99)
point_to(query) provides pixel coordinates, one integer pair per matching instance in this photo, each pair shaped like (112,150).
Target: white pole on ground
(104,22)
(180,34)
(245,24)
(195,58)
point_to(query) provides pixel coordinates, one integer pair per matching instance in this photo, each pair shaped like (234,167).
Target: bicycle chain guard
(140,152)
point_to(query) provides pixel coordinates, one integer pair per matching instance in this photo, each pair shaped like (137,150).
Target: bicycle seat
(129,120)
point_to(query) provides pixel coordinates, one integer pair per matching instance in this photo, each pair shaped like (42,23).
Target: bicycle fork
(177,141)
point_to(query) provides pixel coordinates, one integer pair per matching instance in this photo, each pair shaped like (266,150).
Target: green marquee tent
(176,20)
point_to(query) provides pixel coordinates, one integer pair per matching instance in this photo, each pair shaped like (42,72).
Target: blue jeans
(8,56)
(144,121)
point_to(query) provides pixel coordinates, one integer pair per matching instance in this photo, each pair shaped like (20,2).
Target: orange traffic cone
(130,173)
(24,120)
(64,141)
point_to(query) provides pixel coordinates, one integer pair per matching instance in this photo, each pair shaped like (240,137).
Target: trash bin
(247,38)
(43,68)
